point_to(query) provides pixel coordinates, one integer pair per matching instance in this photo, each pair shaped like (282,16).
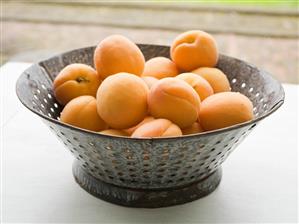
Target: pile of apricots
(127,96)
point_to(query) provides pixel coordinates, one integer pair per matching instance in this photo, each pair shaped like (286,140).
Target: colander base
(145,198)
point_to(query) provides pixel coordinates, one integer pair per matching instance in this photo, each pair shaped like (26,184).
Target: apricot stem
(81,79)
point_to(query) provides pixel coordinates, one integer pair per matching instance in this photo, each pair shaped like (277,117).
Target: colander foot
(145,198)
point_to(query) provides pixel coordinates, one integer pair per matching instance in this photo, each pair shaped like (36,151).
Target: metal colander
(148,172)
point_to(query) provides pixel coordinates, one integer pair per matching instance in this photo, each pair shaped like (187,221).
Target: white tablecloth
(259,181)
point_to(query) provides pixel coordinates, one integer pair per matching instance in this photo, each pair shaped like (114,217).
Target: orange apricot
(193,129)
(193,49)
(199,84)
(145,120)
(122,100)
(215,77)
(75,80)
(160,67)
(225,109)
(157,128)
(117,54)
(175,100)
(82,112)
(114,132)
(149,81)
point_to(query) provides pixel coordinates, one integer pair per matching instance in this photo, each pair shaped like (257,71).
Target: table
(259,178)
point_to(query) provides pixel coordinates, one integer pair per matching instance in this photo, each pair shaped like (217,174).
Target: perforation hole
(91,143)
(43,86)
(218,142)
(50,115)
(257,95)
(250,90)
(33,103)
(49,96)
(45,100)
(38,91)
(35,96)
(52,110)
(55,105)
(206,157)
(243,85)
(254,109)
(261,100)
(265,105)
(234,80)
(252,126)
(42,106)
(58,118)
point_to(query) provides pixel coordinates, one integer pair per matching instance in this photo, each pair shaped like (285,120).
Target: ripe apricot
(215,77)
(199,84)
(193,129)
(145,120)
(75,80)
(117,54)
(149,81)
(114,132)
(157,128)
(193,49)
(160,67)
(225,109)
(175,100)
(122,100)
(82,112)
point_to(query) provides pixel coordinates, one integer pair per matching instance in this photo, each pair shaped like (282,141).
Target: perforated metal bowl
(148,172)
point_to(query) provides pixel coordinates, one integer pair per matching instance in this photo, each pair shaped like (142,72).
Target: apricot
(114,132)
(122,100)
(194,49)
(199,84)
(75,80)
(175,100)
(160,67)
(149,81)
(157,128)
(215,77)
(193,129)
(117,54)
(145,120)
(82,112)
(225,109)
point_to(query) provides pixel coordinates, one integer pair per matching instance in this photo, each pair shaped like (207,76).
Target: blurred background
(265,33)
